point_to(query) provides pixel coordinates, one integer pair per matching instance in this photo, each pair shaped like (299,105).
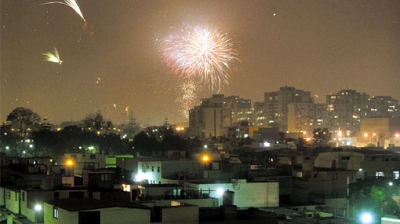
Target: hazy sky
(114,62)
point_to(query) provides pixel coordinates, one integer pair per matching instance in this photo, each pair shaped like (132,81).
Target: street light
(220,194)
(38,208)
(366,218)
(69,163)
(205,158)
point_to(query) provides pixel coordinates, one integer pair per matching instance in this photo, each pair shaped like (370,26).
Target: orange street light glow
(69,162)
(205,158)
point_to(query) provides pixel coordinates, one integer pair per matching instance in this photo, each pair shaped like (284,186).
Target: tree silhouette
(96,122)
(24,118)
(145,145)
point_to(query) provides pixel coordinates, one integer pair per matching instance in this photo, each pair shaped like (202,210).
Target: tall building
(276,104)
(260,114)
(242,112)
(211,118)
(345,109)
(383,106)
(305,117)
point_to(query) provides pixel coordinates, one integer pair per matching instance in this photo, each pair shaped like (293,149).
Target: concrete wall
(64,217)
(180,214)
(30,198)
(149,170)
(253,194)
(107,215)
(201,202)
(337,206)
(385,220)
(342,160)
(387,167)
(2,201)
(65,193)
(11,197)
(124,215)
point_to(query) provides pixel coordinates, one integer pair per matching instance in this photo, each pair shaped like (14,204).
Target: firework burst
(52,56)
(187,96)
(72,4)
(199,52)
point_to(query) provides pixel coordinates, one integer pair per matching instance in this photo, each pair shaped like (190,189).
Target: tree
(8,142)
(24,118)
(374,194)
(171,141)
(144,144)
(96,122)
(45,142)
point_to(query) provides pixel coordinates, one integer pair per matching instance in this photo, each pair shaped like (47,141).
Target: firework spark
(52,56)
(71,3)
(187,96)
(199,52)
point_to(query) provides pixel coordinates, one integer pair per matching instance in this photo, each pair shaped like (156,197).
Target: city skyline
(112,61)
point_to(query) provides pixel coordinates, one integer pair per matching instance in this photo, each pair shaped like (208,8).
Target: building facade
(276,104)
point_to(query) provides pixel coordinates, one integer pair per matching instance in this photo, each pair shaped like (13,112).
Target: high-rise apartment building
(345,109)
(211,118)
(276,104)
(305,117)
(242,112)
(383,106)
(260,114)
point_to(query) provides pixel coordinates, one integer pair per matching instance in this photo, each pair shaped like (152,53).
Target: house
(93,211)
(238,192)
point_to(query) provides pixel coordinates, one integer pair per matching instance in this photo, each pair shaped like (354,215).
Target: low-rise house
(238,192)
(93,211)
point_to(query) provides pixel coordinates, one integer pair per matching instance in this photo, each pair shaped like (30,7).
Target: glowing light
(38,207)
(53,56)
(220,192)
(71,3)
(200,52)
(69,162)
(141,177)
(366,218)
(126,187)
(205,158)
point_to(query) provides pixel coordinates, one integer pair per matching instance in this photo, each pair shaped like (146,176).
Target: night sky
(114,64)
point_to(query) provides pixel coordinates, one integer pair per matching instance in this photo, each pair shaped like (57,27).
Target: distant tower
(166,123)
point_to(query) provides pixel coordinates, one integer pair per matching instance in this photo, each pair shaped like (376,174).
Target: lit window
(55,212)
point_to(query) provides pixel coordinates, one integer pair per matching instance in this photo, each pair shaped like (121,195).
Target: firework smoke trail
(187,91)
(52,56)
(71,3)
(198,52)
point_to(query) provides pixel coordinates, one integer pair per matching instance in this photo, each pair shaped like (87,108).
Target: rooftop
(73,204)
